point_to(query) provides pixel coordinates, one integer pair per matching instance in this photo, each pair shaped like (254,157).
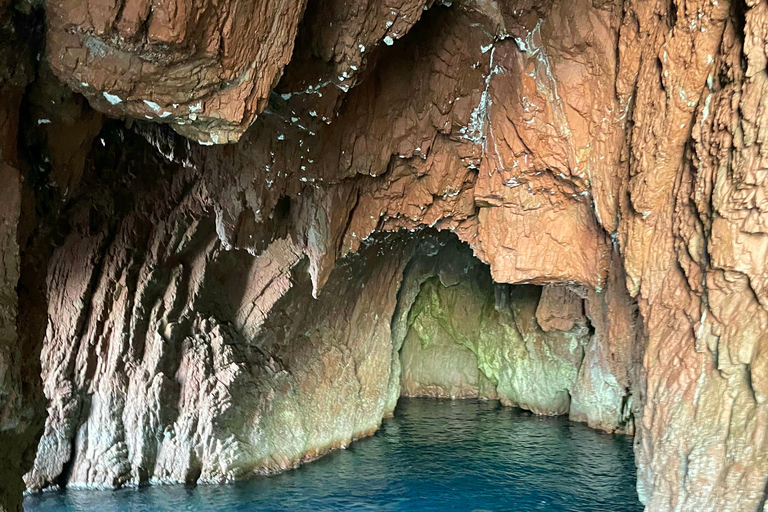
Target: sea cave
(383,255)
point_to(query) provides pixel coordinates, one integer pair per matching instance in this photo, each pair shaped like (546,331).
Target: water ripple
(434,455)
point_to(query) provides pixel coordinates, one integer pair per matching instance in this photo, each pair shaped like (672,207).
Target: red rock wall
(611,146)
(695,253)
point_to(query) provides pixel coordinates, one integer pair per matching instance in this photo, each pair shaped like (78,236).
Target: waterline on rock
(434,455)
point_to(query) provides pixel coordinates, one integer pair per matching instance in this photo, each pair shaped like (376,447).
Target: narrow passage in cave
(461,335)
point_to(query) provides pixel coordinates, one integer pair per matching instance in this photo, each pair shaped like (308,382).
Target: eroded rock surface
(608,152)
(208,68)
(469,337)
(22,403)
(193,363)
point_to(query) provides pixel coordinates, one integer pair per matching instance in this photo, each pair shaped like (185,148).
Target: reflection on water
(433,455)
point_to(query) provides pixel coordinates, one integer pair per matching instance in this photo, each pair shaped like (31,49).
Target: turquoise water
(434,455)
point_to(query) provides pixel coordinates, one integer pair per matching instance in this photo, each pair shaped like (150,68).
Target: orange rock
(610,152)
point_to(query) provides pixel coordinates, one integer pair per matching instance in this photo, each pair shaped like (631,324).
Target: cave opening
(215,262)
(248,380)
(184,344)
(461,335)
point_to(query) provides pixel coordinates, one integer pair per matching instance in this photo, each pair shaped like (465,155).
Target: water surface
(434,455)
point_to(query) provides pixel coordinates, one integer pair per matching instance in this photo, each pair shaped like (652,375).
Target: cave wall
(22,403)
(14,413)
(528,346)
(614,147)
(171,359)
(694,179)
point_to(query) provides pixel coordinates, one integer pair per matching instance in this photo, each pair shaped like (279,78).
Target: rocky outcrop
(696,194)
(205,67)
(13,409)
(607,152)
(172,359)
(194,363)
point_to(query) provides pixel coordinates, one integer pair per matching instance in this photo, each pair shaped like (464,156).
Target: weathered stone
(208,68)
(610,152)
(22,407)
(459,345)
(205,66)
(606,394)
(559,308)
(229,365)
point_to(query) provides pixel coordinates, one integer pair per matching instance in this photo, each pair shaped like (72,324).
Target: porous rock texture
(203,312)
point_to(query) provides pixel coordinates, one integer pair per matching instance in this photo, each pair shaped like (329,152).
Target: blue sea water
(434,455)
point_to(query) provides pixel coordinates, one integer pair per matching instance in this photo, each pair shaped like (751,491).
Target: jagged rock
(205,66)
(693,198)
(460,344)
(559,308)
(229,365)
(22,404)
(208,68)
(610,152)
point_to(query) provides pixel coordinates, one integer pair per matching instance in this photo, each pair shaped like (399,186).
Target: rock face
(204,66)
(215,388)
(207,67)
(22,403)
(603,159)
(469,337)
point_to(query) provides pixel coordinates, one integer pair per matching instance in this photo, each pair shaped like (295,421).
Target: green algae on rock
(470,337)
